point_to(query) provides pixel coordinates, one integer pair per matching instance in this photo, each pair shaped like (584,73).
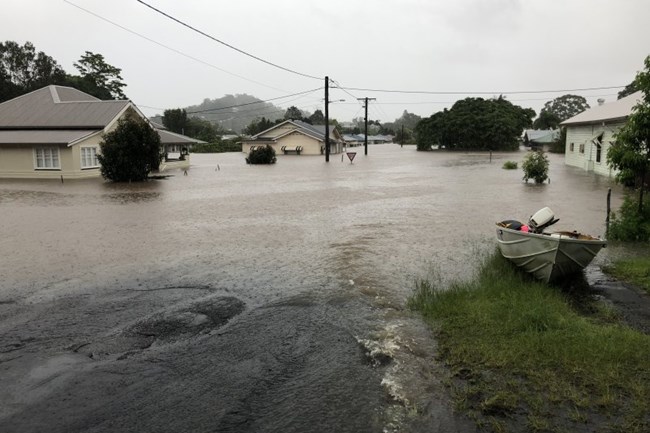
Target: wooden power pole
(365,141)
(327,120)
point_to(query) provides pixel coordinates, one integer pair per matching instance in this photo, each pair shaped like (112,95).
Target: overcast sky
(469,46)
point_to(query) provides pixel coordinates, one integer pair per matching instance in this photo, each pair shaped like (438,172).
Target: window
(89,157)
(599,151)
(582,148)
(47,158)
(571,147)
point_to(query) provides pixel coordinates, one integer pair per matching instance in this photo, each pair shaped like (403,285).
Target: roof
(542,135)
(316,131)
(168,137)
(43,136)
(617,110)
(58,107)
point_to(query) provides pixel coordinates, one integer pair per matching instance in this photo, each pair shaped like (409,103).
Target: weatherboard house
(55,131)
(590,134)
(295,137)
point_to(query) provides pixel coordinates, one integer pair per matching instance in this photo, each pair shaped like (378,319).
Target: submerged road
(250,299)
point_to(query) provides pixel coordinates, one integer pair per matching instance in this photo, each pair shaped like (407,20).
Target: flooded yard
(253,298)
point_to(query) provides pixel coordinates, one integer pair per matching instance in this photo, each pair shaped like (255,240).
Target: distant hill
(234,112)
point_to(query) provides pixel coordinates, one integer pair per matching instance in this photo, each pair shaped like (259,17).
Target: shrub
(628,224)
(131,151)
(535,166)
(262,155)
(509,165)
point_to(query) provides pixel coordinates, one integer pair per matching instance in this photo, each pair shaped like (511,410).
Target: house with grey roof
(295,137)
(540,137)
(56,132)
(591,133)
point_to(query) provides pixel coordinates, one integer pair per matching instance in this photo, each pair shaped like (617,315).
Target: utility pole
(327,119)
(365,142)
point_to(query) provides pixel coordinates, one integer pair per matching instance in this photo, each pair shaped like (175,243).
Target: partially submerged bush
(535,166)
(628,224)
(262,155)
(509,165)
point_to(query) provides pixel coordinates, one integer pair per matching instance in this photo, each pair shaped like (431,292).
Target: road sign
(351,156)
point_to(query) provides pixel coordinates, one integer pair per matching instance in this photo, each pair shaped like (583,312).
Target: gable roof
(58,107)
(316,131)
(617,110)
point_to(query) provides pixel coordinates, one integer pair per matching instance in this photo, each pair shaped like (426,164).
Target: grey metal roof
(43,136)
(168,137)
(57,107)
(616,110)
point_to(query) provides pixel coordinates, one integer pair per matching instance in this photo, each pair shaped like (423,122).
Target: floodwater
(238,298)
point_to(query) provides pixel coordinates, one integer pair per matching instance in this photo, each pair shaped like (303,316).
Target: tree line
(23,70)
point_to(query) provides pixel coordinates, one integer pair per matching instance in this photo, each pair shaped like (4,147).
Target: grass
(634,271)
(521,356)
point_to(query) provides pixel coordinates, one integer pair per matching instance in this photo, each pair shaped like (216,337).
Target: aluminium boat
(548,256)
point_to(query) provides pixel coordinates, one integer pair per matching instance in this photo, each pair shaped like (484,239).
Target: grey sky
(419,45)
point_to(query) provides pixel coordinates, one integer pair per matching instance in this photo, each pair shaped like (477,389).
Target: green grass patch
(634,271)
(520,354)
(510,165)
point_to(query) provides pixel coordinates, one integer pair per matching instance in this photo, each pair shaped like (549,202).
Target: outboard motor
(541,219)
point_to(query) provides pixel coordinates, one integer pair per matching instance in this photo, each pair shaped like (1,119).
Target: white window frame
(48,154)
(88,161)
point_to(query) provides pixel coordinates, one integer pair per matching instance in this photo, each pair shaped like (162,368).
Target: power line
(170,48)
(514,92)
(225,43)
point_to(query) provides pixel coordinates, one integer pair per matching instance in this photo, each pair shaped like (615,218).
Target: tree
(546,120)
(535,166)
(23,70)
(293,113)
(566,106)
(257,126)
(628,90)
(175,120)
(318,118)
(98,76)
(131,151)
(630,154)
(475,123)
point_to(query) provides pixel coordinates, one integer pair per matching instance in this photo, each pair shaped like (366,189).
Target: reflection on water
(301,227)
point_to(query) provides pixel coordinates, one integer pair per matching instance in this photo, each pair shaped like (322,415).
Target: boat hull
(548,257)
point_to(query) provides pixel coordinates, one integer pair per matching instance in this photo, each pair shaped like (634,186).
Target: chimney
(601,101)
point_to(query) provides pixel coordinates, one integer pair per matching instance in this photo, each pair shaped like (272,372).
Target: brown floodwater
(253,298)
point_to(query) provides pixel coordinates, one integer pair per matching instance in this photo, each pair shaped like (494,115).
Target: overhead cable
(514,92)
(225,43)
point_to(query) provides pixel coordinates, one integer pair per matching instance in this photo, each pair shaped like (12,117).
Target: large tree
(546,120)
(318,118)
(98,77)
(631,152)
(23,70)
(131,151)
(175,120)
(293,113)
(475,123)
(566,106)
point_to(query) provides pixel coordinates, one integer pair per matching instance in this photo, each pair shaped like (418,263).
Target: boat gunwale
(547,236)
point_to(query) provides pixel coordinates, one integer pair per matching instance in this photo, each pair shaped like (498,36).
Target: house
(540,137)
(55,131)
(591,133)
(295,137)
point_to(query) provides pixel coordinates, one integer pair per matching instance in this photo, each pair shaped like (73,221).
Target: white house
(591,133)
(296,137)
(55,132)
